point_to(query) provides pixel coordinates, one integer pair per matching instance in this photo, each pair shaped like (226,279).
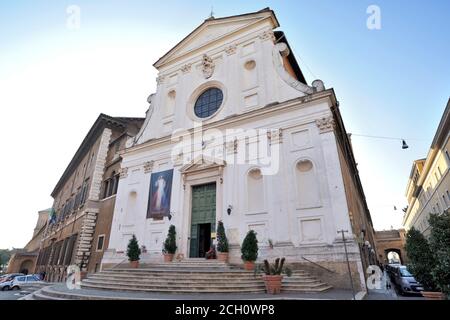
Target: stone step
(303,285)
(44,296)
(169,278)
(323,288)
(198,279)
(259,289)
(187,271)
(175,284)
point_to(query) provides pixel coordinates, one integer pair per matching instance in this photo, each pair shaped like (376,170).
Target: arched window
(308,189)
(255,191)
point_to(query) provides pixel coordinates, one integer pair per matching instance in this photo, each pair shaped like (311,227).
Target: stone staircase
(190,276)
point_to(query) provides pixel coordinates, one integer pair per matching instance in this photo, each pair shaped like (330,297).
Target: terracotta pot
(222,256)
(432,295)
(249,265)
(134,264)
(168,257)
(273,283)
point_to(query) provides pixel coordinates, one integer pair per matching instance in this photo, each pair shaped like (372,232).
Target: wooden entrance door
(203,219)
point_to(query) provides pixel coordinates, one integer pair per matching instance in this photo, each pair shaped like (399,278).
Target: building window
(255,190)
(448,194)
(100,242)
(84,191)
(448,155)
(105,189)
(110,185)
(208,102)
(438,207)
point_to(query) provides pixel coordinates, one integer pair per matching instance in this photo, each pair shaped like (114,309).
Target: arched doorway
(393,255)
(26,266)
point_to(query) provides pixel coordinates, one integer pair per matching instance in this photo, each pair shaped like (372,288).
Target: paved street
(12,294)
(389,294)
(334,294)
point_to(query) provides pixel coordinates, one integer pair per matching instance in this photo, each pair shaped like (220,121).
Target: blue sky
(55,81)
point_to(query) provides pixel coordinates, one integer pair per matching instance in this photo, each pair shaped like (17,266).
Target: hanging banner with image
(160,193)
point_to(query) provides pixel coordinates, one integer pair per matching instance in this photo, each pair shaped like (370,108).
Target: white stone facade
(295,210)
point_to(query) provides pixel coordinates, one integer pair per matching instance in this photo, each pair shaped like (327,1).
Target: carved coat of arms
(207,66)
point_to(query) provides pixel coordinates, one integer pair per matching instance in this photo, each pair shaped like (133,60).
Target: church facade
(234,133)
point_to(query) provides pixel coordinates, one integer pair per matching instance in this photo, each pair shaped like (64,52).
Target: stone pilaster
(99,169)
(86,237)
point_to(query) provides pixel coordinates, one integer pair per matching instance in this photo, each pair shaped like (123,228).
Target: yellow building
(428,189)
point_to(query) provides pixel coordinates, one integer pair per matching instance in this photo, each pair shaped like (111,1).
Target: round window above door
(208,102)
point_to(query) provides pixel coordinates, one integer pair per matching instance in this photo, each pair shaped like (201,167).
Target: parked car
(7,279)
(404,281)
(23,281)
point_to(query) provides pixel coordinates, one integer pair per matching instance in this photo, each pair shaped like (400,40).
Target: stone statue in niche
(207,66)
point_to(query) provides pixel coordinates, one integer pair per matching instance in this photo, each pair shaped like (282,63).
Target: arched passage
(26,266)
(393,255)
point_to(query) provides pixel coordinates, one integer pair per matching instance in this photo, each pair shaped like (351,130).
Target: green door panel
(203,211)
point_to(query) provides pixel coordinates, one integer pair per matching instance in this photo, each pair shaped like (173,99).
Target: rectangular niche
(301,140)
(156,241)
(173,79)
(311,230)
(125,239)
(233,235)
(134,176)
(251,100)
(167,126)
(248,48)
(261,231)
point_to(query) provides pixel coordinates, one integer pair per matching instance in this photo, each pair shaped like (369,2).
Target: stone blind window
(308,190)
(255,190)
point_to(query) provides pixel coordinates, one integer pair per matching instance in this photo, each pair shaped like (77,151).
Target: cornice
(301,102)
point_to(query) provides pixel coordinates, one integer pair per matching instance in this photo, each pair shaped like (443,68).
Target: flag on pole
(52,216)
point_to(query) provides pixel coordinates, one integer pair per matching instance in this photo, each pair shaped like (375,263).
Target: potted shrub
(439,244)
(273,274)
(421,262)
(170,245)
(222,243)
(133,252)
(249,250)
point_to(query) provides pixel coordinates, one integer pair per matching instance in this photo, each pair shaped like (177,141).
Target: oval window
(208,102)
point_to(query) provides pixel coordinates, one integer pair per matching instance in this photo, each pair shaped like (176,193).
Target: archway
(26,266)
(393,255)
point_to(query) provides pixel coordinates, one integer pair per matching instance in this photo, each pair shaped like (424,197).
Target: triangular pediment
(202,162)
(212,30)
